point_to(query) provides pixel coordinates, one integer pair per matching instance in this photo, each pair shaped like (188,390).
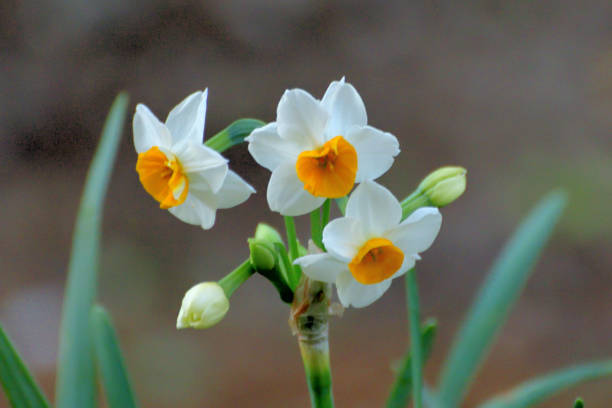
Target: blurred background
(518,92)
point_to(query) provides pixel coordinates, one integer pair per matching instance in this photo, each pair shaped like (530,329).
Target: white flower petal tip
(319,149)
(203,306)
(370,246)
(186,177)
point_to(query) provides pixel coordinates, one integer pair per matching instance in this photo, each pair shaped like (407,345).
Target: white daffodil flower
(369,247)
(319,149)
(188,178)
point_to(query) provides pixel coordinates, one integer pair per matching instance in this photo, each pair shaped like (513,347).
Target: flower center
(330,170)
(377,260)
(162,177)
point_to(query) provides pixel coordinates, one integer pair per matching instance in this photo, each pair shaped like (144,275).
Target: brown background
(518,92)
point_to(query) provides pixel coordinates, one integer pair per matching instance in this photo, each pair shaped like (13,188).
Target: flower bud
(203,306)
(264,232)
(262,254)
(445,185)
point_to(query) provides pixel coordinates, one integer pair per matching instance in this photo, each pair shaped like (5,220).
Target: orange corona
(162,177)
(330,170)
(378,259)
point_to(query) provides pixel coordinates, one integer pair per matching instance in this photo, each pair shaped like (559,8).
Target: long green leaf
(497,295)
(233,134)
(18,384)
(110,361)
(402,387)
(538,389)
(75,386)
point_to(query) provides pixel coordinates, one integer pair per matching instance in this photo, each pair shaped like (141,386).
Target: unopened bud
(445,185)
(203,306)
(265,232)
(262,254)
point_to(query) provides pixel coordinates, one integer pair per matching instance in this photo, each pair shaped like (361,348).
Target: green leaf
(402,387)
(538,389)
(18,384)
(75,386)
(578,403)
(233,134)
(496,296)
(110,361)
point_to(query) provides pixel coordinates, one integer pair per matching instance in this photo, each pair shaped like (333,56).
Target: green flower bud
(262,254)
(445,185)
(203,306)
(266,233)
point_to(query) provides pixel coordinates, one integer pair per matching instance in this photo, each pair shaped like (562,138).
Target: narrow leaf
(18,384)
(110,361)
(500,290)
(402,387)
(538,389)
(75,386)
(233,134)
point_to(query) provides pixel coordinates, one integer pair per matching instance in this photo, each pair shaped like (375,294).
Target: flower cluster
(316,150)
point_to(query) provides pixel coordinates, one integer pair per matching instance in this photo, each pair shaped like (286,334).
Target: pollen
(162,177)
(330,170)
(378,259)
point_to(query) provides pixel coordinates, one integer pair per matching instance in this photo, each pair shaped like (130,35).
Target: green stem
(412,293)
(325,216)
(318,374)
(342,201)
(315,227)
(414,201)
(291,238)
(310,321)
(237,277)
(294,251)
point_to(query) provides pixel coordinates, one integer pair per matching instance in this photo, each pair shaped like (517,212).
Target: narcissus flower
(369,247)
(319,149)
(186,177)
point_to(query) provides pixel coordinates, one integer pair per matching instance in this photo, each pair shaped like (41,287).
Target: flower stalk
(310,322)
(294,251)
(237,277)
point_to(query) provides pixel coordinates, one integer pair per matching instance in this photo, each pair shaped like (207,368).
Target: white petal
(234,191)
(375,151)
(186,120)
(353,293)
(343,237)
(376,208)
(195,211)
(321,267)
(148,130)
(301,118)
(286,193)
(345,107)
(417,232)
(201,163)
(269,149)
